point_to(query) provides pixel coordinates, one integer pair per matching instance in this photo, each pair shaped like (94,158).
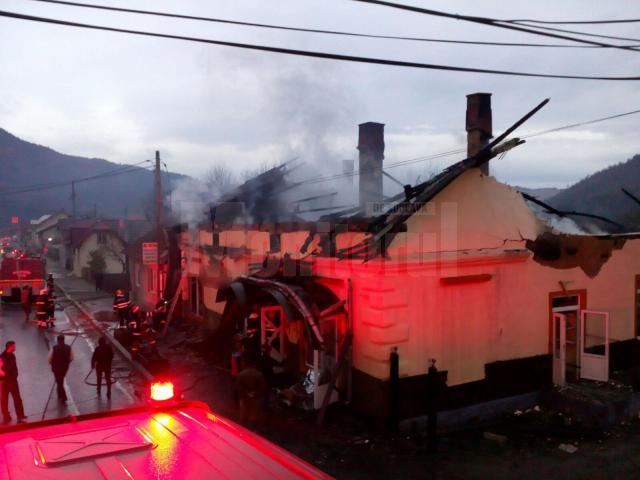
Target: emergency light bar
(161,391)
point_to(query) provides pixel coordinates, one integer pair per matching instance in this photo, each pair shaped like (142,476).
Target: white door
(559,348)
(594,345)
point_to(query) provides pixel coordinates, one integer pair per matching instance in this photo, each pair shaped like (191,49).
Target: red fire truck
(18,270)
(166,439)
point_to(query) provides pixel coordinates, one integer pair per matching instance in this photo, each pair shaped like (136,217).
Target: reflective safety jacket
(121,303)
(42,305)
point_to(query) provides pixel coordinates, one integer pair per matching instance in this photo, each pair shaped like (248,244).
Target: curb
(110,338)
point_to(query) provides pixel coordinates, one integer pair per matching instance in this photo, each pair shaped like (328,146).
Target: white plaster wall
(82,254)
(466,326)
(473,212)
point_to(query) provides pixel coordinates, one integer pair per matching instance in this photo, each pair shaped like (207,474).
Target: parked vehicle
(164,439)
(17,271)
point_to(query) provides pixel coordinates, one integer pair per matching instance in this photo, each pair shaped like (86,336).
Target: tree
(97,264)
(116,253)
(219,179)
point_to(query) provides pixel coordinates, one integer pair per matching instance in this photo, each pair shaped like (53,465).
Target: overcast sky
(121,97)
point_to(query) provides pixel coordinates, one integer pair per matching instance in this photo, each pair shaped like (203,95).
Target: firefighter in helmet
(50,283)
(51,307)
(121,306)
(42,308)
(160,315)
(137,318)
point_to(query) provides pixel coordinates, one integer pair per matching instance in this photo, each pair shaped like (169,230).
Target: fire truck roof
(185,440)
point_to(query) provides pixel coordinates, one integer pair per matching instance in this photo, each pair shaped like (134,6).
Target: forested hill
(601,193)
(35,180)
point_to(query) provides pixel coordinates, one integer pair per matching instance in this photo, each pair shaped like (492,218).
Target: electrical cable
(311,30)
(462,150)
(493,22)
(317,54)
(580,124)
(78,180)
(574,22)
(587,34)
(50,186)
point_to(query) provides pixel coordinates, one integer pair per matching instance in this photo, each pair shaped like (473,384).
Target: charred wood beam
(315,197)
(322,209)
(391,177)
(631,196)
(332,309)
(562,213)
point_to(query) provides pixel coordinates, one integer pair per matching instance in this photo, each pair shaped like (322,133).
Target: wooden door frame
(582,304)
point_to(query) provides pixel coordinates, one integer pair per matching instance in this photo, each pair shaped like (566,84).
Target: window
(274,241)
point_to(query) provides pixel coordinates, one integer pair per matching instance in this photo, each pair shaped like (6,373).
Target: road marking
(71,406)
(92,346)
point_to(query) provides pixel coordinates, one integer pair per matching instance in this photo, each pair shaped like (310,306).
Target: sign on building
(149,253)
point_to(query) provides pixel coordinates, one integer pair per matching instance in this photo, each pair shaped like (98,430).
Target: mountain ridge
(34,179)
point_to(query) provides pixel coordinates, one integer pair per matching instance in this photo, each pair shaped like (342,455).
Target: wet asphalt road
(35,378)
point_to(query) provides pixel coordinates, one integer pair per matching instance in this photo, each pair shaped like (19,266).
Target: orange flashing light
(161,391)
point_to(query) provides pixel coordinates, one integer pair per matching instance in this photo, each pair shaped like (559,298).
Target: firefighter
(150,335)
(42,308)
(160,315)
(50,284)
(101,362)
(51,308)
(121,306)
(25,301)
(137,318)
(251,387)
(60,356)
(9,377)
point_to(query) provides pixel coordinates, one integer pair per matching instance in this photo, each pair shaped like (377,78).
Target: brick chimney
(371,147)
(479,125)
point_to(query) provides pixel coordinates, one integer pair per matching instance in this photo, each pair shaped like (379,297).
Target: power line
(52,185)
(574,22)
(412,161)
(313,30)
(314,54)
(574,32)
(41,186)
(490,22)
(581,124)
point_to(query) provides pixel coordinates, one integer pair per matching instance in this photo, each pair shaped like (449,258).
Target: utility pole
(158,184)
(73,198)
